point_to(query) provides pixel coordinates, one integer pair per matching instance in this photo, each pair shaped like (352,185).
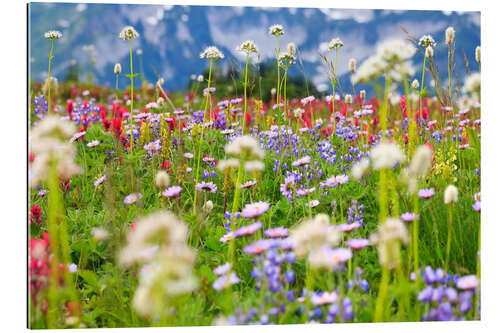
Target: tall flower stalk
(213,54)
(450,198)
(247,47)
(129,33)
(277,30)
(52,35)
(335,44)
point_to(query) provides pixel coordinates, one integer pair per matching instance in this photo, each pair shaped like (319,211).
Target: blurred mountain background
(172,37)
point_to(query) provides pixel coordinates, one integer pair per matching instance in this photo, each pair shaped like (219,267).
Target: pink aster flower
(346,227)
(248,230)
(323,298)
(172,191)
(276,232)
(409,217)
(227,237)
(468,282)
(255,209)
(132,198)
(248,184)
(426,193)
(206,187)
(258,247)
(357,243)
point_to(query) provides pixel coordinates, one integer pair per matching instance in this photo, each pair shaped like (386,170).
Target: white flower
(421,161)
(162,179)
(291,48)
(212,52)
(348,98)
(72,268)
(388,238)
(335,43)
(362,94)
(118,68)
(246,144)
(208,206)
(100,234)
(429,52)
(231,163)
(360,168)
(415,84)
(128,33)
(472,83)
(276,30)
(451,195)
(386,155)
(352,65)
(199,78)
(450,35)
(427,40)
(478,54)
(254,166)
(312,235)
(53,34)
(395,49)
(248,46)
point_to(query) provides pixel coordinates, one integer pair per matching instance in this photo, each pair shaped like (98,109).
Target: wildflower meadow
(224,204)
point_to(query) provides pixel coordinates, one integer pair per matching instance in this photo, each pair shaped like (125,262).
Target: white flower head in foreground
(421,161)
(276,30)
(395,49)
(249,46)
(478,54)
(388,238)
(49,142)
(208,206)
(287,58)
(211,52)
(312,235)
(450,195)
(254,166)
(160,229)
(426,41)
(360,168)
(385,155)
(118,68)
(231,163)
(128,33)
(335,43)
(450,35)
(245,144)
(472,83)
(53,34)
(352,65)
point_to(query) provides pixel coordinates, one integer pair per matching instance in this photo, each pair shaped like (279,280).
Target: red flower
(69,108)
(32,157)
(35,214)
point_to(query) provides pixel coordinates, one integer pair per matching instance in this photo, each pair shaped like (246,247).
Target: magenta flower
(346,227)
(468,282)
(132,198)
(206,187)
(477,206)
(409,217)
(258,247)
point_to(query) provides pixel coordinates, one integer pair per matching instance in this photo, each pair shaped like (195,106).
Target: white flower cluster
(388,238)
(450,35)
(128,33)
(472,83)
(159,244)
(53,34)
(249,46)
(211,52)
(335,43)
(385,155)
(276,30)
(426,41)
(312,235)
(49,143)
(247,149)
(392,55)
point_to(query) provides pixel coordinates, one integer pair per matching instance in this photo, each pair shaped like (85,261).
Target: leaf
(90,278)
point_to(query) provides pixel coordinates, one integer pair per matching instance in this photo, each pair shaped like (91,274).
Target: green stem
(448,242)
(382,291)
(131,99)
(49,100)
(201,138)
(245,92)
